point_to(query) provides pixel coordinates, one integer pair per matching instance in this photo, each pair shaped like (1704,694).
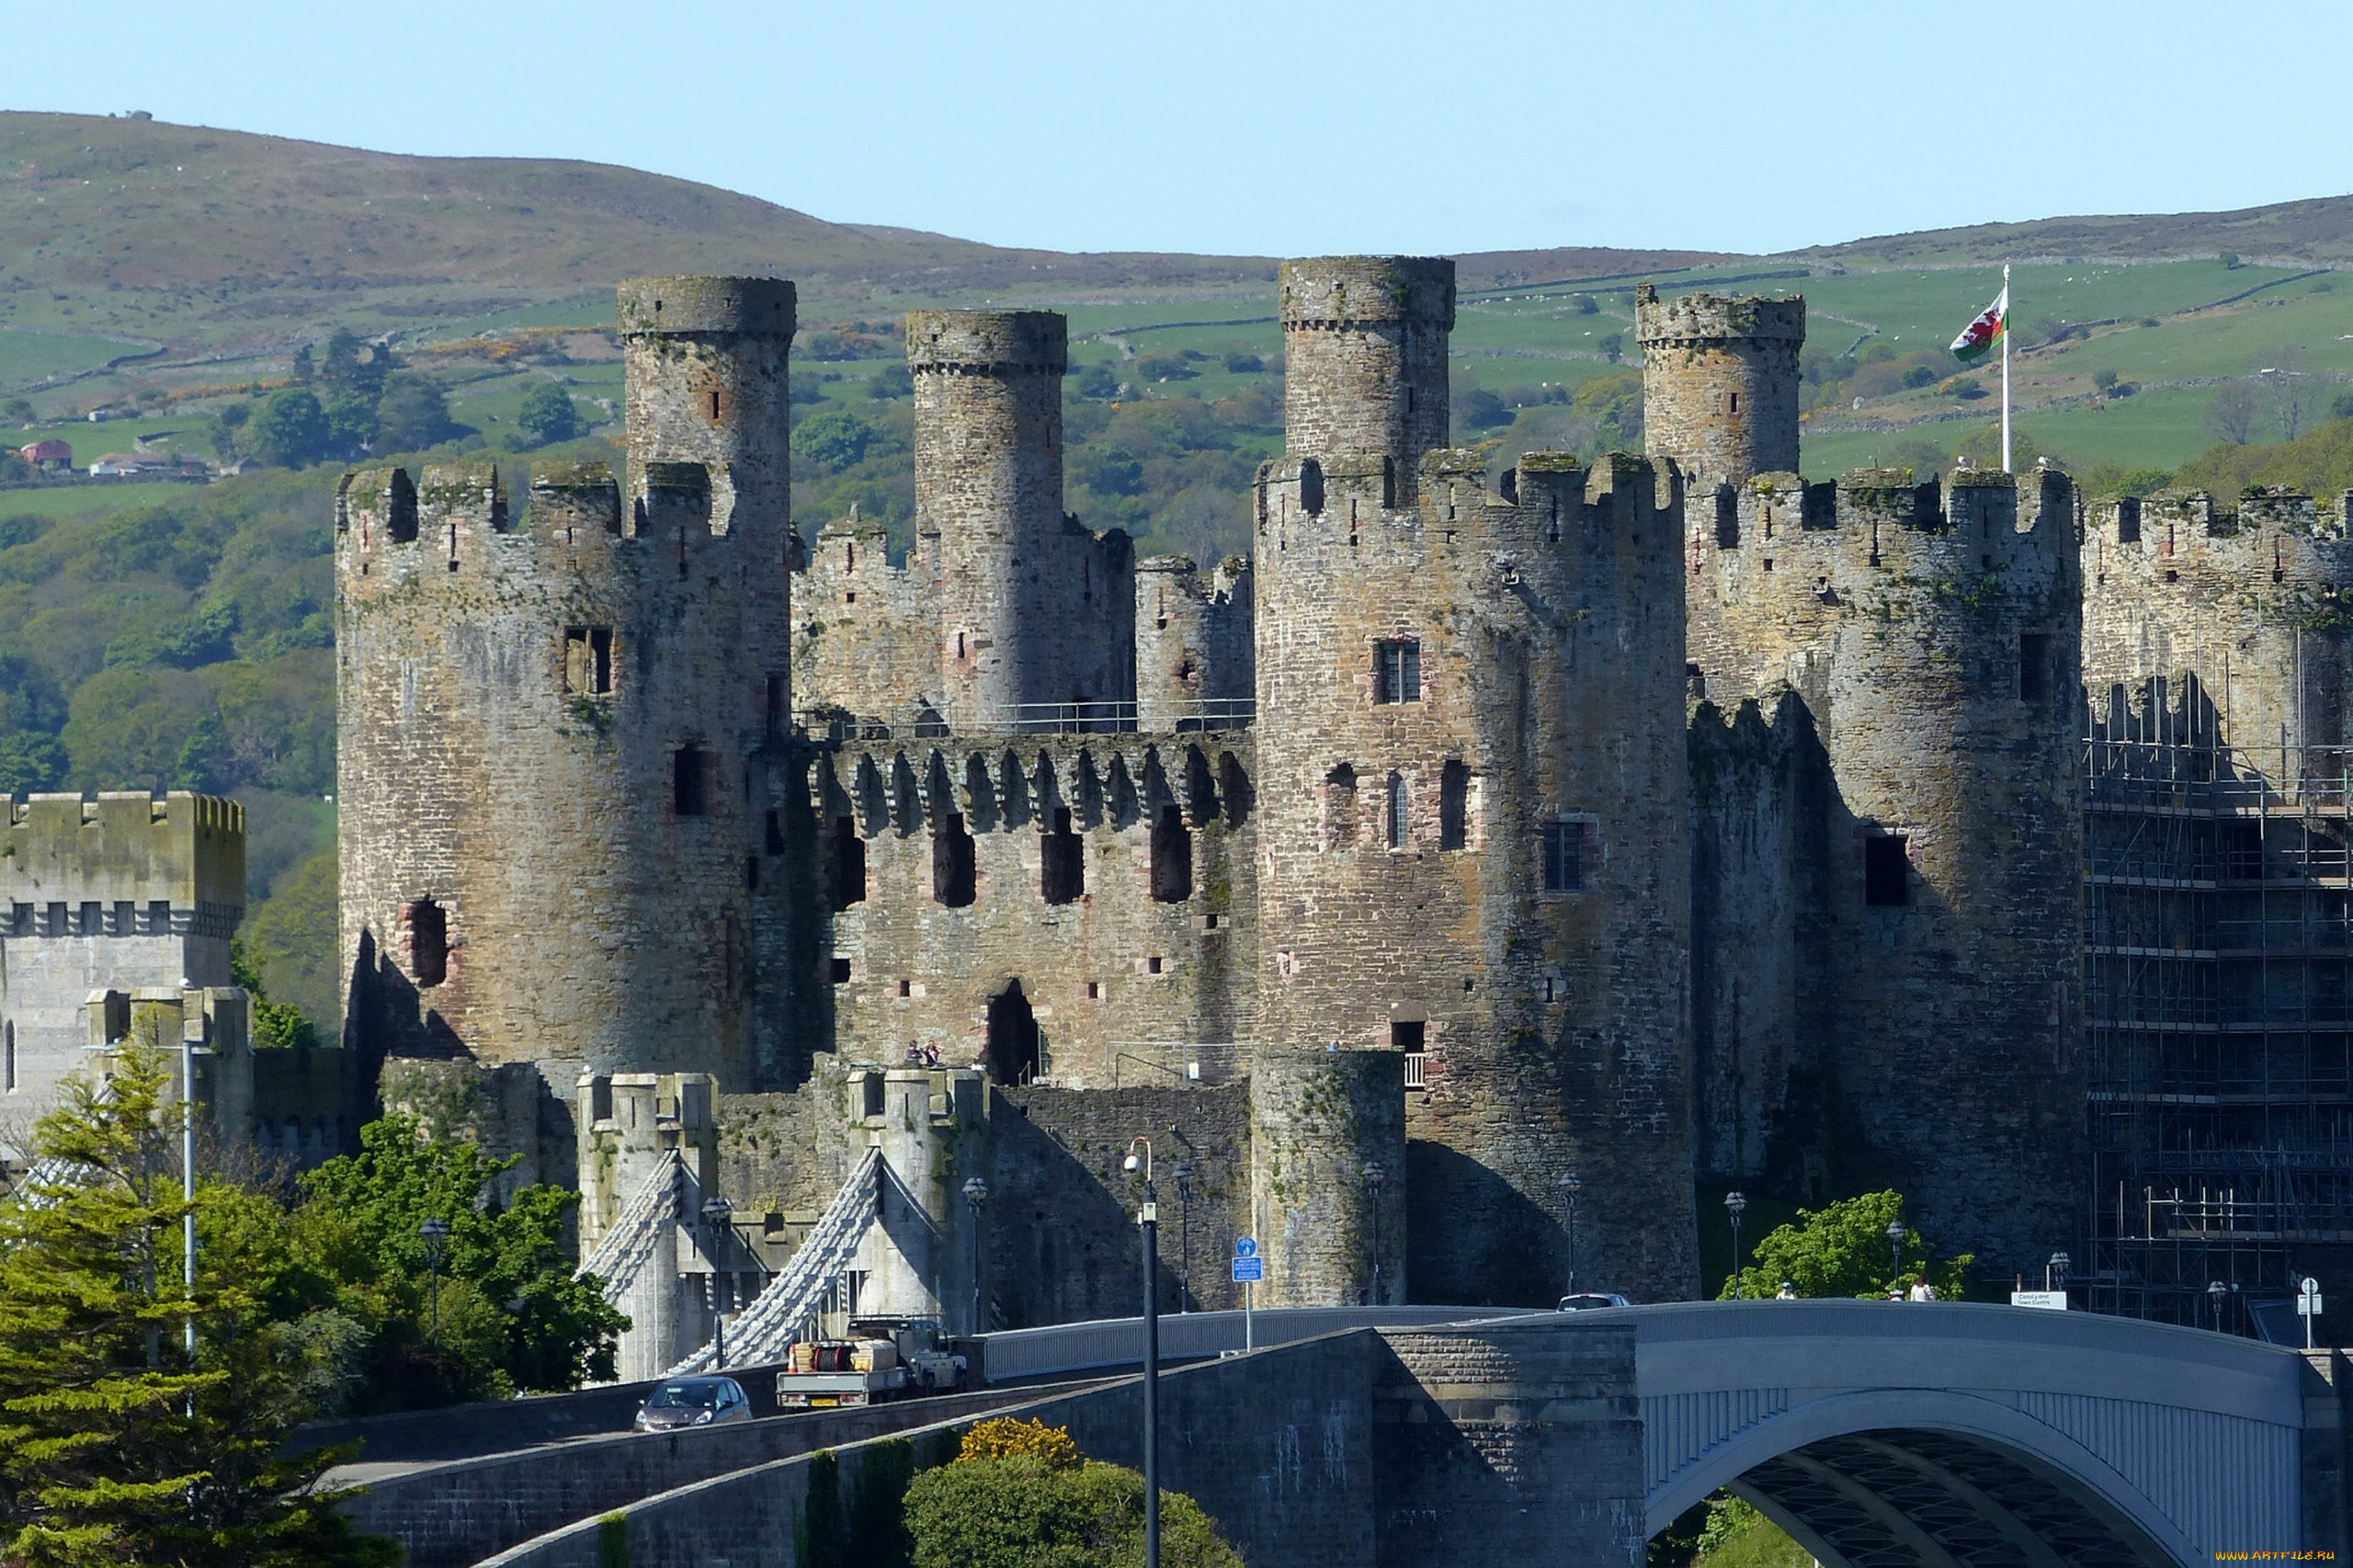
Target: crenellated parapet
(1719,384)
(122,864)
(1364,355)
(2243,609)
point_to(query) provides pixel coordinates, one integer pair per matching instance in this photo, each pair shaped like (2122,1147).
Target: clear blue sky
(1287,126)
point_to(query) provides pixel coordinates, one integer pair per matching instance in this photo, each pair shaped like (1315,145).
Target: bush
(1099,382)
(1245,364)
(1479,409)
(832,440)
(413,415)
(1163,367)
(890,382)
(2104,381)
(1024,1513)
(1010,1438)
(1919,376)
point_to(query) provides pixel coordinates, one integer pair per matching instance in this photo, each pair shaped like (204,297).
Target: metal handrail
(924,722)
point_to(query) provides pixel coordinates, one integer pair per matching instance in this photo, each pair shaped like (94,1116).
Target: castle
(1452,889)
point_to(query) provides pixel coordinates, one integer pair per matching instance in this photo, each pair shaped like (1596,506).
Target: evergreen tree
(115,1447)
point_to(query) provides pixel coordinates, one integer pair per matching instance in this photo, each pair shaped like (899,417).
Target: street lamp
(1571,1184)
(1734,1207)
(1895,1233)
(2214,1293)
(715,1213)
(976,1192)
(1148,1217)
(2056,1270)
(1373,1171)
(1185,1235)
(435,1231)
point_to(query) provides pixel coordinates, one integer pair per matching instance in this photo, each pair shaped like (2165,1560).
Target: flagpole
(2005,367)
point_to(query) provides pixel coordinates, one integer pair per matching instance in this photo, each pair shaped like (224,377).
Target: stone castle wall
(596,680)
(1196,665)
(128,892)
(1719,384)
(1364,360)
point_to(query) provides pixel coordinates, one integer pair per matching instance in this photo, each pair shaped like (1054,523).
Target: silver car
(692,1401)
(1586,1301)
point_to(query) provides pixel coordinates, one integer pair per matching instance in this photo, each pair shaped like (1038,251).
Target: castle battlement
(1780,533)
(2187,541)
(1105,782)
(986,342)
(757,307)
(124,864)
(1330,293)
(1548,501)
(1689,319)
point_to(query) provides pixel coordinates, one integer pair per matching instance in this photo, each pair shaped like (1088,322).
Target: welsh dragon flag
(1978,339)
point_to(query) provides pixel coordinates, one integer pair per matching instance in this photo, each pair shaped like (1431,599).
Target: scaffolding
(2218,1017)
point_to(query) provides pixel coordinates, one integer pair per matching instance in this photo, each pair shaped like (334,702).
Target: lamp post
(435,1231)
(1895,1233)
(1572,1185)
(2214,1294)
(715,1213)
(976,1192)
(2054,1273)
(1185,1236)
(189,1050)
(1734,1207)
(1374,1173)
(1148,1217)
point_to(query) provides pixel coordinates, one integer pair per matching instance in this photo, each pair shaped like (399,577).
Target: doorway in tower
(1014,1046)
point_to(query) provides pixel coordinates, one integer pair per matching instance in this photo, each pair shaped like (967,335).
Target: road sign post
(2308,1306)
(1248,1269)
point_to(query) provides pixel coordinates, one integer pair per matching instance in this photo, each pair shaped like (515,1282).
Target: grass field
(75,500)
(28,357)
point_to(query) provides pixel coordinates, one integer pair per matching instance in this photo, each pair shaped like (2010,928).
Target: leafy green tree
(1098,382)
(1241,364)
(891,382)
(31,760)
(290,429)
(17,411)
(115,1447)
(351,421)
(1108,471)
(1843,1250)
(2104,381)
(1161,367)
(548,415)
(354,367)
(1021,1496)
(414,414)
(514,1315)
(833,440)
(1478,409)
(275,1025)
(289,945)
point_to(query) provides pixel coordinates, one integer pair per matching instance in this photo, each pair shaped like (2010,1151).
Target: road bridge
(1882,1434)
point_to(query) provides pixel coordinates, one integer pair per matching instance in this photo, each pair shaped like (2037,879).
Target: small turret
(1364,360)
(1719,384)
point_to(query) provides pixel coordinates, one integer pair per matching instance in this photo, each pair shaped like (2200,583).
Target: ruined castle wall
(2240,615)
(1194,656)
(1933,641)
(1545,714)
(124,892)
(1719,385)
(1364,360)
(553,726)
(1111,879)
(866,629)
(1064,1244)
(1033,609)
(1760,1007)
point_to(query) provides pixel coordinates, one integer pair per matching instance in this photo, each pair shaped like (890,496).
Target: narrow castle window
(955,869)
(1397,670)
(690,771)
(2034,666)
(841,971)
(1340,807)
(1453,805)
(588,660)
(776,713)
(428,941)
(1887,871)
(849,865)
(1565,856)
(1311,487)
(1172,857)
(714,405)
(399,509)
(1388,475)
(871,1093)
(1061,861)
(1399,805)
(1735,402)
(1408,1034)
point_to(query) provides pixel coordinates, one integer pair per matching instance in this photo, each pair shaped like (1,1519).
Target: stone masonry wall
(1127,956)
(124,892)
(1195,664)
(1322,1124)
(1934,647)
(865,630)
(1364,360)
(1547,711)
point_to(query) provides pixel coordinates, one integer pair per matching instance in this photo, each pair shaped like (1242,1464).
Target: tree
(2234,413)
(1241,364)
(413,415)
(891,382)
(1479,409)
(115,1447)
(354,367)
(1162,366)
(1028,1498)
(17,411)
(351,422)
(1099,382)
(1108,471)
(2293,393)
(290,429)
(1843,1250)
(833,440)
(2104,381)
(548,415)
(513,1314)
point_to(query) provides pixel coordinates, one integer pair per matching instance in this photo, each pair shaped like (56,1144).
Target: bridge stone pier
(1880,1434)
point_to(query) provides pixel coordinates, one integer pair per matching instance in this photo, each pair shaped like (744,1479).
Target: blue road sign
(1245,1246)
(1249,1270)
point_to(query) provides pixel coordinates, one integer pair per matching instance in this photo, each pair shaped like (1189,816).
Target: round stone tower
(1364,360)
(1464,857)
(989,490)
(1934,640)
(1719,384)
(1328,1177)
(551,721)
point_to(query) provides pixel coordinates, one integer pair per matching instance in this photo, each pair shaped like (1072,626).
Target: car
(1586,1301)
(692,1401)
